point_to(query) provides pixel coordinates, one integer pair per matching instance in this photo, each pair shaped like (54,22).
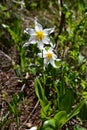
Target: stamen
(49,55)
(39,35)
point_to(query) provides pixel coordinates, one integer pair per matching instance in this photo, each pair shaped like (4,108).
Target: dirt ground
(29,108)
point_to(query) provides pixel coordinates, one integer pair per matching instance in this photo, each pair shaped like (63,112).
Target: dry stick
(8,57)
(17,2)
(62,21)
(30,114)
(3,118)
(21,3)
(62,18)
(23,86)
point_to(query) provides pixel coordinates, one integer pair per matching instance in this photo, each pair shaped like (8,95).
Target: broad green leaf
(81,5)
(46,111)
(3,8)
(83,111)
(67,101)
(40,93)
(84,94)
(78,127)
(49,125)
(60,118)
(76,110)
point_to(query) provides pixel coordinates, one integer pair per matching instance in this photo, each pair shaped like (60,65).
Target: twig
(18,2)
(3,118)
(62,20)
(23,86)
(21,3)
(8,57)
(30,114)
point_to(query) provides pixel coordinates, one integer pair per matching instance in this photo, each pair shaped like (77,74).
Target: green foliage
(77,127)
(61,118)
(49,125)
(83,112)
(64,105)
(61,91)
(13,105)
(40,92)
(42,98)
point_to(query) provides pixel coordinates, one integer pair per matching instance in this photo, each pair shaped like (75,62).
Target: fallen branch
(30,114)
(8,57)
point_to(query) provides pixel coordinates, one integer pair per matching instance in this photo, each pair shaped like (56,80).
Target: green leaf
(60,118)
(3,8)
(12,107)
(76,110)
(49,125)
(45,111)
(67,101)
(84,94)
(17,27)
(78,127)
(13,35)
(40,92)
(81,5)
(83,111)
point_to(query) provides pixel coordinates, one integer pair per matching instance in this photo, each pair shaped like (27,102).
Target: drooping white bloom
(38,35)
(33,128)
(49,57)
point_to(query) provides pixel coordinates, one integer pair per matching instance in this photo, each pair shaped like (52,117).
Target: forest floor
(11,85)
(29,108)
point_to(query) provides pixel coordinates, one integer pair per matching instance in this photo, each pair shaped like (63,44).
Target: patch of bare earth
(28,107)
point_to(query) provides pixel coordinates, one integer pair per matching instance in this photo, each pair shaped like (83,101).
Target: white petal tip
(33,128)
(26,44)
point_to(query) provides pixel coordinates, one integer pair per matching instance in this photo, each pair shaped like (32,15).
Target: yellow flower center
(39,35)
(49,55)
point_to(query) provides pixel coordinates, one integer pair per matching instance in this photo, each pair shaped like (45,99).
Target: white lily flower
(49,57)
(33,128)
(38,35)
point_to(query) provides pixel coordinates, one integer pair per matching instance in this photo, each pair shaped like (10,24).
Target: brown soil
(29,108)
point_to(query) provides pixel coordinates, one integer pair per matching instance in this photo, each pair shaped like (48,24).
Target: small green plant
(56,80)
(13,106)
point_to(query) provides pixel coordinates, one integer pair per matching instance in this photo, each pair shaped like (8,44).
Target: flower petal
(54,56)
(40,55)
(38,26)
(40,45)
(26,44)
(33,128)
(32,40)
(48,31)
(52,46)
(58,59)
(46,62)
(50,49)
(52,62)
(29,31)
(46,40)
